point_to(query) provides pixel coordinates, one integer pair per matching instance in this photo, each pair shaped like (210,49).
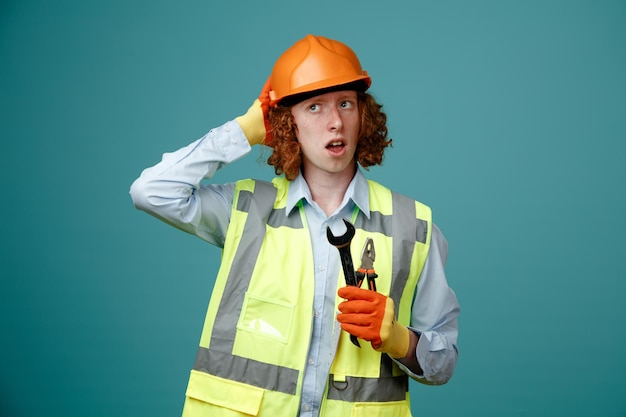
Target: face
(327,127)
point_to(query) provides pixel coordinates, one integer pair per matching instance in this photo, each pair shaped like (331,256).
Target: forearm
(171,190)
(431,358)
(410,360)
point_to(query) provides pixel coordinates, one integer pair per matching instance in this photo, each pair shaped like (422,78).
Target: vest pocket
(265,317)
(208,395)
(387,409)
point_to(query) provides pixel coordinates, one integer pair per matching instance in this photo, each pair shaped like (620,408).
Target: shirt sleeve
(434,317)
(172,190)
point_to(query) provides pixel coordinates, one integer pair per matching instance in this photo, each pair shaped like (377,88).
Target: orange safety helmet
(315,63)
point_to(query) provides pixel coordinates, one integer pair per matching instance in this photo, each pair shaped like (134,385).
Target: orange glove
(255,123)
(370,315)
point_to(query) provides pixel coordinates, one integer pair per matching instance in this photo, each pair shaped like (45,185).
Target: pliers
(366,270)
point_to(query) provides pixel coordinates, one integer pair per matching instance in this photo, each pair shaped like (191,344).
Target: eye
(314,108)
(346,104)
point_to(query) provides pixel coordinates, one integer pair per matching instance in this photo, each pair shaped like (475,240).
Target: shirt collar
(357,192)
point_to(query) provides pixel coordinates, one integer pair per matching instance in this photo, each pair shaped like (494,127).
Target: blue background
(508,118)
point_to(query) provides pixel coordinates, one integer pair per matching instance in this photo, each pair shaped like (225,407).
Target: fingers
(264,98)
(361,313)
(356,293)
(361,332)
(357,326)
(354,320)
(356,306)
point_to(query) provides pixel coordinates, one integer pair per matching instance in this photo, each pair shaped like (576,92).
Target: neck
(329,190)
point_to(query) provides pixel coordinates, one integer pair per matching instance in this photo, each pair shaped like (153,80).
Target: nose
(335,122)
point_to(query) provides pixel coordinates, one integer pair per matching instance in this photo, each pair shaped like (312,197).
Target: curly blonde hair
(286,156)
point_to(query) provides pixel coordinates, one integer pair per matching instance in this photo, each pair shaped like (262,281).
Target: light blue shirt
(172,191)
(327,268)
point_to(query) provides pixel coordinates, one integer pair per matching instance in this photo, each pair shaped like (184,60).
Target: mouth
(335,145)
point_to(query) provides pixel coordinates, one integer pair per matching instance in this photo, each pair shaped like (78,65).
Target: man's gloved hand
(370,316)
(255,123)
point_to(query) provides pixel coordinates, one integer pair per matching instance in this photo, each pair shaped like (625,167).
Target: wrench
(342,243)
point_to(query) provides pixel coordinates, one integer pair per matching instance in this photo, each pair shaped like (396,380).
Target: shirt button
(316,313)
(322,267)
(307,407)
(311,361)
(227,128)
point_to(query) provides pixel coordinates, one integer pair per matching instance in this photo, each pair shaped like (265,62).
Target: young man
(280,336)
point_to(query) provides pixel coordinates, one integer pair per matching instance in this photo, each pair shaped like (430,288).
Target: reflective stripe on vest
(218,360)
(260,204)
(358,390)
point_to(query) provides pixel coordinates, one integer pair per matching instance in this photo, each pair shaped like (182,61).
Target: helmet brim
(360,85)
